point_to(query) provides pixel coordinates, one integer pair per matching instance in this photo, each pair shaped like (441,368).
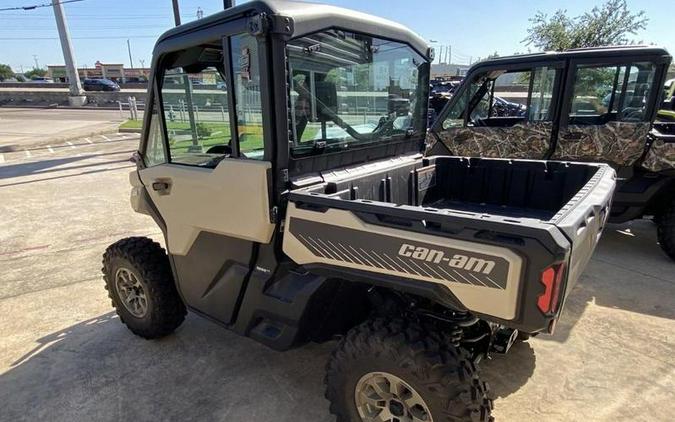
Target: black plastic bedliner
(530,189)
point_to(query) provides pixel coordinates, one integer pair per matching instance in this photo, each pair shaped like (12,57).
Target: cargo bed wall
(532,189)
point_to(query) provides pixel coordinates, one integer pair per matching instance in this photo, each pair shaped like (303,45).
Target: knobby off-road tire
(665,229)
(136,270)
(441,376)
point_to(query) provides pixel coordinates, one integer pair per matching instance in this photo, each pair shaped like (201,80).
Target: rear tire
(139,282)
(665,229)
(421,377)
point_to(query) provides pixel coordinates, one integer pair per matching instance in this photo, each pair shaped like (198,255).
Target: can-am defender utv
(281,156)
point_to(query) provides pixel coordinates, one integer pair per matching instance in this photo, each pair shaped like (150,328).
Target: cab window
(247,95)
(154,150)
(195,107)
(603,93)
(501,98)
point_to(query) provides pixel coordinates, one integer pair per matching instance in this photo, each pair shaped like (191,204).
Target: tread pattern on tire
(665,230)
(151,262)
(446,373)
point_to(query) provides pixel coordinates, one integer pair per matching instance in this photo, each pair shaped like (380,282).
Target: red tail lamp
(551,278)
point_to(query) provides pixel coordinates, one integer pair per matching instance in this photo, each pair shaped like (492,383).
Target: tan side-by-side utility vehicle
(282,157)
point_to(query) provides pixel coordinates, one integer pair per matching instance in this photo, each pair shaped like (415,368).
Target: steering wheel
(220,149)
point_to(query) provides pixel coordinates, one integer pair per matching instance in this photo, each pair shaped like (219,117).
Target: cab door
(607,110)
(205,167)
(503,111)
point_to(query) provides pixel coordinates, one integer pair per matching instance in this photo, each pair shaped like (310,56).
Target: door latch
(163,187)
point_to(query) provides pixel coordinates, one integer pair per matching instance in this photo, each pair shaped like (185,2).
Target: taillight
(551,278)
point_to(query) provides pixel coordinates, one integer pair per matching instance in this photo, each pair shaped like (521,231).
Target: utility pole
(176,12)
(37,65)
(200,13)
(131,61)
(76,97)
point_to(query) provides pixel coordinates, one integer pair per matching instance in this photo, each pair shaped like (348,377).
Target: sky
(100,28)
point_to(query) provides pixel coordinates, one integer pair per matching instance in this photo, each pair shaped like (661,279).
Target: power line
(76,38)
(37,5)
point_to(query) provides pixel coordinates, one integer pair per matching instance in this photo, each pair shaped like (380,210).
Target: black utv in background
(595,104)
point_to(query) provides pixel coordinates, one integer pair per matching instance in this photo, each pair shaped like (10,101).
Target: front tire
(395,370)
(665,229)
(139,282)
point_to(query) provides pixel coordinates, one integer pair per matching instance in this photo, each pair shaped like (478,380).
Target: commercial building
(113,71)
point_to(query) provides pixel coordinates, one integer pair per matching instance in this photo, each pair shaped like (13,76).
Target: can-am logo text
(457,261)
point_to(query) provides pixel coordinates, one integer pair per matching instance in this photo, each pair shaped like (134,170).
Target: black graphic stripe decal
(398,255)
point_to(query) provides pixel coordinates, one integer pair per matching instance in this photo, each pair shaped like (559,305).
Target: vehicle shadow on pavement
(98,370)
(628,272)
(48,166)
(506,374)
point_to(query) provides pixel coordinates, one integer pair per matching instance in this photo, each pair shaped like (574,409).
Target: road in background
(23,128)
(65,356)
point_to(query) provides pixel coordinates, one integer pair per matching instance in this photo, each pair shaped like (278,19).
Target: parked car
(42,79)
(100,85)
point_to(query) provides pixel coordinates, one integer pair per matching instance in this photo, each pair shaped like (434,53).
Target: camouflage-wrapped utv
(594,104)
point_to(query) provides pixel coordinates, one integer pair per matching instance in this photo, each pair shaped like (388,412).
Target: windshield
(348,90)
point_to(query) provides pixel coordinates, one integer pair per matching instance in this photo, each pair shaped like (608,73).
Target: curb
(129,130)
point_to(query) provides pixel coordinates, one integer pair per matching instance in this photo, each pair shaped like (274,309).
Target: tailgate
(583,218)
(484,278)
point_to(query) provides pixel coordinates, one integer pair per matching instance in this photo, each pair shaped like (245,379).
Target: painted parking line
(2,158)
(105,138)
(49,147)
(28,154)
(88,140)
(71,144)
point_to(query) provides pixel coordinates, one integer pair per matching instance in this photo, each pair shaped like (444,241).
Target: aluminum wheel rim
(131,292)
(381,397)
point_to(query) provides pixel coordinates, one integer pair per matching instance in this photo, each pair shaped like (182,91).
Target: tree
(609,24)
(5,72)
(35,73)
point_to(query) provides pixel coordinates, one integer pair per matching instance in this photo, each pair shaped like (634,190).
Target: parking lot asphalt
(64,355)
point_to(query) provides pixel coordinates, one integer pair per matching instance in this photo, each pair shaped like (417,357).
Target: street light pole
(76,97)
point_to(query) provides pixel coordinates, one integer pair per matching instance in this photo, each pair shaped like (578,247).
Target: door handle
(162,186)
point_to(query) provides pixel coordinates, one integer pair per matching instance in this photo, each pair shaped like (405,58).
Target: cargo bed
(481,231)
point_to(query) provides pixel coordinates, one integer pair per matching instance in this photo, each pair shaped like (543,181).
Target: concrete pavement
(23,128)
(64,356)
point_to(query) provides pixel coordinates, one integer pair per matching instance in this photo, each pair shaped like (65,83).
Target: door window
(541,95)
(500,98)
(604,93)
(247,96)
(154,150)
(195,108)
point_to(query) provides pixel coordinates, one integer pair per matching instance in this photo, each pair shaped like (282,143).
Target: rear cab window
(349,90)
